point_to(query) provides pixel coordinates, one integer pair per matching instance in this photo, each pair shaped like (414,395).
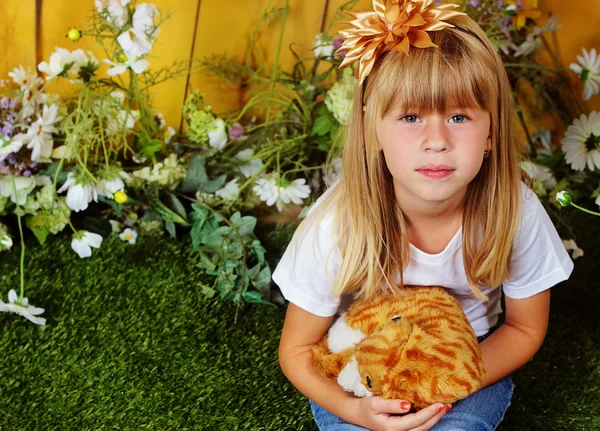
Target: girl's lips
(436,173)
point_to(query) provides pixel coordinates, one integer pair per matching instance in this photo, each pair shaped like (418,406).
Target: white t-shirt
(539,261)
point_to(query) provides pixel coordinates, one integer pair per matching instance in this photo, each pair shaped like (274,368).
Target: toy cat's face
(381,351)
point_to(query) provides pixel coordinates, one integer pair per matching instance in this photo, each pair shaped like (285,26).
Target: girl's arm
(515,342)
(303,329)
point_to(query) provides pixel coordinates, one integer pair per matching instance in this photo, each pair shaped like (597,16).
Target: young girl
(431,194)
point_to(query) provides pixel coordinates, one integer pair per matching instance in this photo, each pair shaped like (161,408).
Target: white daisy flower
(588,70)
(129,62)
(252,167)
(11,146)
(570,245)
(217,134)
(59,60)
(540,173)
(40,143)
(79,195)
(128,235)
(22,308)
(123,120)
(582,142)
(533,41)
(273,190)
(230,191)
(116,12)
(6,242)
(83,241)
(26,80)
(80,59)
(16,188)
(169,134)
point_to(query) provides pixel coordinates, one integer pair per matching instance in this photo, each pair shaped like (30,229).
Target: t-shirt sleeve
(308,267)
(539,258)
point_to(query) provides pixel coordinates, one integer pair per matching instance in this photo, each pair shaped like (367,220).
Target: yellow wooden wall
(200,28)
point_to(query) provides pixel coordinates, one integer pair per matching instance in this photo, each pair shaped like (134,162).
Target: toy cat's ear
(327,363)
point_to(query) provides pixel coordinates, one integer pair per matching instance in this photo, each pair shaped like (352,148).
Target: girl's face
(433,157)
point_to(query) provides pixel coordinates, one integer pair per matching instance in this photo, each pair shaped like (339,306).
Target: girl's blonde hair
(465,71)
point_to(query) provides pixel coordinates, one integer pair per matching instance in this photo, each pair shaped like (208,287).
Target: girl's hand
(378,414)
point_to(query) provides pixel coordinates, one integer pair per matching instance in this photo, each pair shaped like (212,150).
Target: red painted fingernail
(405,405)
(440,408)
(448,408)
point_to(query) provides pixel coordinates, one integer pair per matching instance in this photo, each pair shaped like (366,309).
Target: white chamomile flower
(6,242)
(581,143)
(571,245)
(533,41)
(127,62)
(112,183)
(80,192)
(115,10)
(128,235)
(60,61)
(588,70)
(16,188)
(252,167)
(39,133)
(273,190)
(230,191)
(169,134)
(22,308)
(83,241)
(123,120)
(81,59)
(25,79)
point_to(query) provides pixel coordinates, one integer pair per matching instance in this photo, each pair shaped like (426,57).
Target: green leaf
(207,291)
(213,185)
(178,206)
(111,203)
(253,272)
(263,278)
(150,146)
(196,176)
(51,171)
(245,225)
(322,126)
(255,297)
(40,233)
(170,226)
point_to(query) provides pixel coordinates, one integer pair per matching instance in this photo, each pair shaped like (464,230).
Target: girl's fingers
(390,406)
(427,416)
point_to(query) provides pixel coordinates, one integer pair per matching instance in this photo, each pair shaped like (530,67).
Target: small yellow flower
(74,34)
(120,197)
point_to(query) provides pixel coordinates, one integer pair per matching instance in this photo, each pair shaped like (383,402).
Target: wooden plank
(226,28)
(17,34)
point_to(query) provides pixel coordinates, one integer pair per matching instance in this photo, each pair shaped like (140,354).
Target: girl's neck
(419,213)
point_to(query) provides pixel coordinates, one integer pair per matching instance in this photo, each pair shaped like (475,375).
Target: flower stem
(22,262)
(584,209)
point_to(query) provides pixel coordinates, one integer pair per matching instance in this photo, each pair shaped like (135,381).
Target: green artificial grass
(131,344)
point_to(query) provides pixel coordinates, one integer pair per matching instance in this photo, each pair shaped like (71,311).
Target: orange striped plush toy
(420,348)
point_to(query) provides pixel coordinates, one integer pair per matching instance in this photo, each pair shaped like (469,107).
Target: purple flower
(342,54)
(4,103)
(236,131)
(500,4)
(337,43)
(474,3)
(520,4)
(27,173)
(11,159)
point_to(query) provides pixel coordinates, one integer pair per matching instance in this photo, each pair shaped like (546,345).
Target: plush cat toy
(419,348)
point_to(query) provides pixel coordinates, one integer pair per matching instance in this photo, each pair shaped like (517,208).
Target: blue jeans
(480,411)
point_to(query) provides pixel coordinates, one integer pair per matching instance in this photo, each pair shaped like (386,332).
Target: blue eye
(459,116)
(408,117)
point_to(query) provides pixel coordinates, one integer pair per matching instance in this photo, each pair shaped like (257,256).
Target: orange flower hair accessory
(393,24)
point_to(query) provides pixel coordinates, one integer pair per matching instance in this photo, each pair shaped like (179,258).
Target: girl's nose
(436,136)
